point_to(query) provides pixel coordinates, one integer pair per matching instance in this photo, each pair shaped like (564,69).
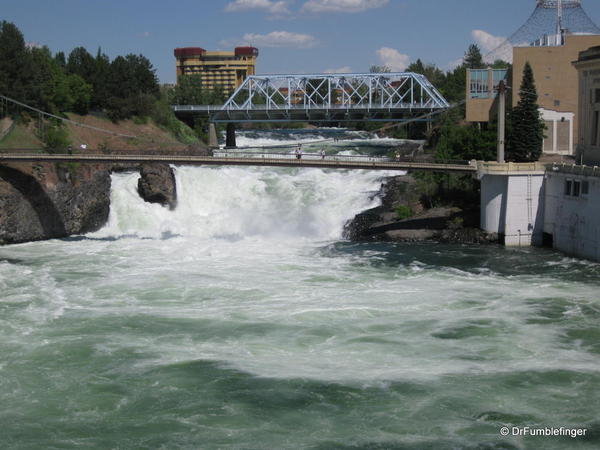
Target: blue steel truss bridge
(384,97)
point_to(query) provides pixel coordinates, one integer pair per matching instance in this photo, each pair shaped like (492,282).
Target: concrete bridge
(225,158)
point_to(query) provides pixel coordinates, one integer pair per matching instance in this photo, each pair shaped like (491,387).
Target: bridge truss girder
(327,98)
(328,91)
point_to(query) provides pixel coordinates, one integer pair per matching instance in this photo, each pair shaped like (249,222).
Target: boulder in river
(157,185)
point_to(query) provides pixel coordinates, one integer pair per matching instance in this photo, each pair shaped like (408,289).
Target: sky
(293,36)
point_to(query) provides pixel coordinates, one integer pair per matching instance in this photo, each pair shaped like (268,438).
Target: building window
(568,187)
(595,124)
(498,76)
(576,188)
(597,96)
(585,188)
(479,83)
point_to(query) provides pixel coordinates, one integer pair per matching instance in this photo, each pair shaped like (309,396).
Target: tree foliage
(473,58)
(124,88)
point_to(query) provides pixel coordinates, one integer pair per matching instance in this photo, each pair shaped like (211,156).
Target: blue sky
(294,36)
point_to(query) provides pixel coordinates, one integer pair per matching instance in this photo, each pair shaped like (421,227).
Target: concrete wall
(588,67)
(573,220)
(512,205)
(524,201)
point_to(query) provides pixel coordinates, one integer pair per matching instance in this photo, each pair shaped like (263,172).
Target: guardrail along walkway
(268,160)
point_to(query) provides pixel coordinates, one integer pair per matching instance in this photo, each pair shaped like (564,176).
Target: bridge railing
(230,153)
(258,153)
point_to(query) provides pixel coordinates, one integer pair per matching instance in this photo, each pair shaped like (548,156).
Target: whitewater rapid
(238,203)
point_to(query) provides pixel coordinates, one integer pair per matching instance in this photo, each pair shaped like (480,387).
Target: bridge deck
(330,163)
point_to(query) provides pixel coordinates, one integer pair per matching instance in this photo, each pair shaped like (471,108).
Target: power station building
(225,70)
(550,41)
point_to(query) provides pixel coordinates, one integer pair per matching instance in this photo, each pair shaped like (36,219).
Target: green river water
(243,321)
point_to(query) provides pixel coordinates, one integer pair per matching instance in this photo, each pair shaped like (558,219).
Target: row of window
(576,188)
(479,82)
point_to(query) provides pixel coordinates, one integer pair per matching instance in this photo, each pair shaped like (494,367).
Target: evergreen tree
(81,63)
(61,60)
(473,58)
(454,86)
(100,92)
(527,126)
(15,63)
(431,72)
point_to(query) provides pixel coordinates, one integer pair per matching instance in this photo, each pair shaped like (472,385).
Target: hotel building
(225,70)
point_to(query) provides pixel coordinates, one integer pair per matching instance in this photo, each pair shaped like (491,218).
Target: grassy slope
(147,136)
(21,136)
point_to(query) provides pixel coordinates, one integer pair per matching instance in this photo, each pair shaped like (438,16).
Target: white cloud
(392,58)
(486,41)
(349,6)
(275,39)
(271,6)
(493,47)
(345,69)
(454,64)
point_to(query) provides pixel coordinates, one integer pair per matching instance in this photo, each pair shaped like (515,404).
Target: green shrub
(404,212)
(140,120)
(456,223)
(56,138)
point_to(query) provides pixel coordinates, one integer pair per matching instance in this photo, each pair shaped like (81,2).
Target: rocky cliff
(48,201)
(45,201)
(402,216)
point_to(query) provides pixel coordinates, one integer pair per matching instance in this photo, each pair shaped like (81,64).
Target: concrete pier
(230,137)
(512,201)
(213,142)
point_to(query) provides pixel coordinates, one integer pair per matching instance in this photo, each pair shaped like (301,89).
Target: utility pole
(501,120)
(559,28)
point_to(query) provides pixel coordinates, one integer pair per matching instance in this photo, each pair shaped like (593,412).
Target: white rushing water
(240,320)
(239,203)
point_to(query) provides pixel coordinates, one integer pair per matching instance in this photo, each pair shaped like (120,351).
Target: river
(242,320)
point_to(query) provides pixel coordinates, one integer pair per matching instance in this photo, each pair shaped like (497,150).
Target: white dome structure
(547,25)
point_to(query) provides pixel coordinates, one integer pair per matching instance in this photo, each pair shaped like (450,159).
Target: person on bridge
(322,154)
(299,152)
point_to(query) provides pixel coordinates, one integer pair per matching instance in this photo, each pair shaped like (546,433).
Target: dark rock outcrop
(157,185)
(395,191)
(46,201)
(199,150)
(441,224)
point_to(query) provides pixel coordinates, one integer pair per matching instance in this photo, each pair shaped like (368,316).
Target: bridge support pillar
(213,142)
(230,137)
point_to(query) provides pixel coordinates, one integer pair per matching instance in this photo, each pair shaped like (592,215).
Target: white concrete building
(572,210)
